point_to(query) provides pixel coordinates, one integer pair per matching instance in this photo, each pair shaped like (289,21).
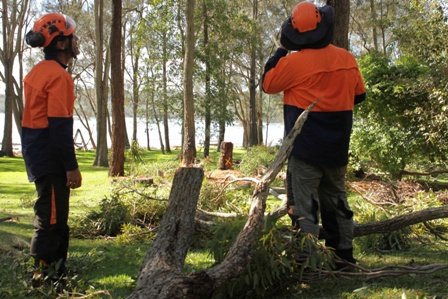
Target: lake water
(234,133)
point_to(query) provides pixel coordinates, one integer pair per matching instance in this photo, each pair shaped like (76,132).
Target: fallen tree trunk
(161,275)
(385,226)
(401,221)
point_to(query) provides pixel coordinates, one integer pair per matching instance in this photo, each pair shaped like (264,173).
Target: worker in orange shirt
(47,140)
(308,68)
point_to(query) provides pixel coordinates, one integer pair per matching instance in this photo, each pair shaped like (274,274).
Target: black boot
(344,260)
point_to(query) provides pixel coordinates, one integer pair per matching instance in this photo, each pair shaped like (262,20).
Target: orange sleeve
(360,87)
(278,78)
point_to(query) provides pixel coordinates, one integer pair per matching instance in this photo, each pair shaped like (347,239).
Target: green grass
(107,264)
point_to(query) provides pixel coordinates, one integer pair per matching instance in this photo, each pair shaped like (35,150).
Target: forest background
(401,47)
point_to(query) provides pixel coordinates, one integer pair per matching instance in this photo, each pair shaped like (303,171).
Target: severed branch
(401,221)
(239,254)
(365,273)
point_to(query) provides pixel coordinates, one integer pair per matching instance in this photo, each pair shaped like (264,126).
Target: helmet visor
(70,24)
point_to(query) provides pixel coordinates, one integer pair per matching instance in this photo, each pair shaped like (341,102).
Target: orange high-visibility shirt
(49,92)
(329,74)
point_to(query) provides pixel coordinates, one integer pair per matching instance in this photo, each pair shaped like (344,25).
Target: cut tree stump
(226,158)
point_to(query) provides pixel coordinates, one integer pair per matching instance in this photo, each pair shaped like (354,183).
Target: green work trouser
(320,191)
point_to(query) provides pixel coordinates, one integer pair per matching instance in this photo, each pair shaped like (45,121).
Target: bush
(107,221)
(256,159)
(400,122)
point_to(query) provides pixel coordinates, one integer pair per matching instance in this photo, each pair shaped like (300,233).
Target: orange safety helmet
(305,17)
(47,27)
(308,27)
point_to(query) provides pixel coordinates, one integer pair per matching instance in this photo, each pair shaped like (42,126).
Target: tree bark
(341,22)
(13,21)
(165,93)
(118,126)
(253,132)
(189,145)
(207,100)
(401,221)
(101,153)
(385,226)
(226,160)
(160,276)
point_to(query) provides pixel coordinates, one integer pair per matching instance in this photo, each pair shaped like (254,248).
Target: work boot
(344,260)
(39,274)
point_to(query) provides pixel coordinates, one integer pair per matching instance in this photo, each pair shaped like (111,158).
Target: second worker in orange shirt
(306,68)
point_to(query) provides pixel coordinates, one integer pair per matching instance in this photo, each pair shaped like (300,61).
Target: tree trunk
(189,145)
(226,160)
(207,101)
(253,132)
(385,226)
(135,92)
(12,23)
(101,153)
(156,117)
(165,94)
(118,126)
(374,24)
(341,22)
(160,276)
(400,222)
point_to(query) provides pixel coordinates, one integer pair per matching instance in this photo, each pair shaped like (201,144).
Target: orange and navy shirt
(329,75)
(47,122)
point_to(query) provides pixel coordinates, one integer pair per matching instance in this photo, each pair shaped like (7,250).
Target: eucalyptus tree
(101,85)
(189,145)
(14,17)
(163,43)
(116,167)
(135,47)
(372,23)
(214,61)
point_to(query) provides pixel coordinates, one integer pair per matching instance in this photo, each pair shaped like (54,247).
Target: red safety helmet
(47,27)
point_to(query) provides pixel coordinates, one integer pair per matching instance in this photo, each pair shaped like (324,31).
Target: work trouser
(51,232)
(321,191)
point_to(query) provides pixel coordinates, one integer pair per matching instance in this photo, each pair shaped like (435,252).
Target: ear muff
(35,39)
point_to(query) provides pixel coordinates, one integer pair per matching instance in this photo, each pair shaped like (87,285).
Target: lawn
(107,268)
